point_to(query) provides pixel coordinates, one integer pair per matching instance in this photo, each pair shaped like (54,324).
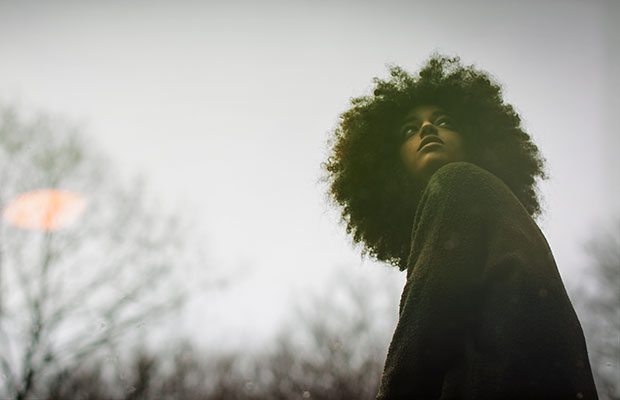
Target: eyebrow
(414,119)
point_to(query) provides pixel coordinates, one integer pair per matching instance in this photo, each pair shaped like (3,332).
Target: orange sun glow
(45,209)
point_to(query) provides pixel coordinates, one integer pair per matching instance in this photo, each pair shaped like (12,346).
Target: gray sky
(226,107)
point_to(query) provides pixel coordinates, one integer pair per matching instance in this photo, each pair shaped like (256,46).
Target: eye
(444,121)
(409,130)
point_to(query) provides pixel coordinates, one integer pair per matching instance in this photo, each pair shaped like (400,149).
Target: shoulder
(467,192)
(463,175)
(464,181)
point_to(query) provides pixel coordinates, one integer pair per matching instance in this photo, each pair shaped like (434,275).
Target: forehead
(423,112)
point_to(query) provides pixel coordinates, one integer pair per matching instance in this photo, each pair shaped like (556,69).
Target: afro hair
(365,173)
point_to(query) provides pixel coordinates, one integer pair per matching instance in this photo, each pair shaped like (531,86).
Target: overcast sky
(225,107)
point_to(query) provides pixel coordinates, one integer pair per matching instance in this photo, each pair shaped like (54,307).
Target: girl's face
(430,140)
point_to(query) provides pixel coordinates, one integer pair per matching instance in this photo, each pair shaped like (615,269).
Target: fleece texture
(484,313)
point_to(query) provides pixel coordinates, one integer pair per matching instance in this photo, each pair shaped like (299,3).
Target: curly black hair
(367,177)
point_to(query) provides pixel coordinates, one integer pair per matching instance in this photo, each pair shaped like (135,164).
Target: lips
(429,139)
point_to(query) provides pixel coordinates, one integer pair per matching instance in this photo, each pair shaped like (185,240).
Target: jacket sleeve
(439,301)
(471,239)
(484,313)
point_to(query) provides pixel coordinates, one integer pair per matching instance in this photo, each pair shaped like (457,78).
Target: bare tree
(599,307)
(333,347)
(336,346)
(69,293)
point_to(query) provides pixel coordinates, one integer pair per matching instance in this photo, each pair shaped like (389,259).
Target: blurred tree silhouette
(599,306)
(333,347)
(336,345)
(69,293)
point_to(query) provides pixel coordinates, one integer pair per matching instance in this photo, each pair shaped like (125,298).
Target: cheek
(407,153)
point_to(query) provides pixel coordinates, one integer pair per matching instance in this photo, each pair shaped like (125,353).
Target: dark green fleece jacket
(484,313)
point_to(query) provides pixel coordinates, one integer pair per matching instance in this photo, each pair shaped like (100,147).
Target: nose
(427,129)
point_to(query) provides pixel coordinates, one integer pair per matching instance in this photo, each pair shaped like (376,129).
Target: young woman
(435,175)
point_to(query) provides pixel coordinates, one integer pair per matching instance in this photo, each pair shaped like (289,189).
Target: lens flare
(44,209)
